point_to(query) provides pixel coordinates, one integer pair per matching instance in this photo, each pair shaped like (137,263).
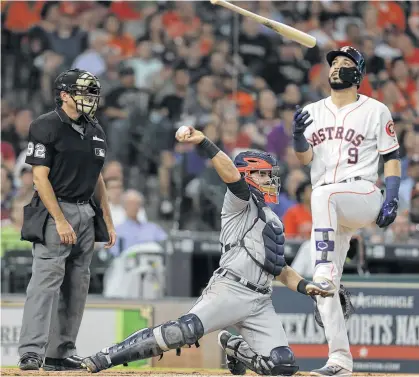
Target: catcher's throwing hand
(188,134)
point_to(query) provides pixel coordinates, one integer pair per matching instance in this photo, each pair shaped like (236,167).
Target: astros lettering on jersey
(347,141)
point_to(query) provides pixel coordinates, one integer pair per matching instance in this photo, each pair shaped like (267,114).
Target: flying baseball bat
(285,30)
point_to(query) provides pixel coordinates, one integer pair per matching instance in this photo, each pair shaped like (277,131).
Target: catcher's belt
(232,276)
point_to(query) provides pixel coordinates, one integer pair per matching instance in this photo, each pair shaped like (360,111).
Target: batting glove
(300,123)
(388,213)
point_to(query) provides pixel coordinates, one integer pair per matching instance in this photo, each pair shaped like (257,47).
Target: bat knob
(214,2)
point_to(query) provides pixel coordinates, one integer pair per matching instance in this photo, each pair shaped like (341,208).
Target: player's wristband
(301,144)
(208,147)
(301,287)
(392,187)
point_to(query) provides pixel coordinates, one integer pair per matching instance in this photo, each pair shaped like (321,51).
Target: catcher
(239,292)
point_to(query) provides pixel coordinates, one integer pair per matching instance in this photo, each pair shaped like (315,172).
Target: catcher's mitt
(345,302)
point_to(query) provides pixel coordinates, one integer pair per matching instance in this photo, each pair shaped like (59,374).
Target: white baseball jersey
(347,142)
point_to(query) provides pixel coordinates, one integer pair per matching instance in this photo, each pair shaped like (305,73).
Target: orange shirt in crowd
(298,222)
(125,44)
(21,15)
(176,27)
(390,13)
(413,59)
(365,88)
(124,11)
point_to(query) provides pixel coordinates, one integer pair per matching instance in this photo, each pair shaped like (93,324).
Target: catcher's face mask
(267,181)
(86,94)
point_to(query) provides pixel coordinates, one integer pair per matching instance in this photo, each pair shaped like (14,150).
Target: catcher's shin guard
(149,342)
(281,360)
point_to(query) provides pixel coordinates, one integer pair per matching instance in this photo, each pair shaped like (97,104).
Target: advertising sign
(101,326)
(383,331)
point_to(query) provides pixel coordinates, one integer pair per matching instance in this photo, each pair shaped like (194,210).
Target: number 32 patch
(37,150)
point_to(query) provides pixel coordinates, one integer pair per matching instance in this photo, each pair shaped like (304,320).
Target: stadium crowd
(166,63)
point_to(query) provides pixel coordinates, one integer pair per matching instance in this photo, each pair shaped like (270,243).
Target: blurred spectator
(17,136)
(266,131)
(132,232)
(113,170)
(297,219)
(123,43)
(410,53)
(6,192)
(414,209)
(119,103)
(8,156)
(174,102)
(115,190)
(400,231)
(287,196)
(122,98)
(67,40)
(25,189)
(144,64)
(109,80)
(10,233)
(407,184)
(199,104)
(182,20)
(92,59)
(325,34)
(375,64)
(353,37)
(388,47)
(390,13)
(254,47)
(404,81)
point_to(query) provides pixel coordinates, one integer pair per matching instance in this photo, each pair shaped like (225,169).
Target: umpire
(68,213)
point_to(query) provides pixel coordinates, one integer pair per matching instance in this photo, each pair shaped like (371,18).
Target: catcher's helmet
(249,162)
(353,75)
(82,86)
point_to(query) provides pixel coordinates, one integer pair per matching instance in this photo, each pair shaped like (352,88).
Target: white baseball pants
(338,210)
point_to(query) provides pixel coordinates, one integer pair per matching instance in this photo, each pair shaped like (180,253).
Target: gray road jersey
(237,216)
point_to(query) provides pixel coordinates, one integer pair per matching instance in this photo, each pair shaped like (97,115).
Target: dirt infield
(164,373)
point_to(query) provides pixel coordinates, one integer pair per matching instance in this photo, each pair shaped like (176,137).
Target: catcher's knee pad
(187,330)
(283,361)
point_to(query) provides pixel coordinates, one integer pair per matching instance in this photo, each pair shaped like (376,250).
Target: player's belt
(345,181)
(73,201)
(243,281)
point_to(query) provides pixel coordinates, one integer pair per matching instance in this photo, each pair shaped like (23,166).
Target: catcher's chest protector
(264,241)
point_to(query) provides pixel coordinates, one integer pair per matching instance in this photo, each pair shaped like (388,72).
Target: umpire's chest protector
(264,241)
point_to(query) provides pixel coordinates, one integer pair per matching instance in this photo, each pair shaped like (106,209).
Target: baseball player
(239,292)
(343,137)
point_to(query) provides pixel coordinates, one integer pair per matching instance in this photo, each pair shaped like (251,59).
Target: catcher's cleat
(321,287)
(331,370)
(96,363)
(235,366)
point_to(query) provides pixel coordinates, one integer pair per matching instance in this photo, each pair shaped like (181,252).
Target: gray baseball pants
(226,303)
(57,292)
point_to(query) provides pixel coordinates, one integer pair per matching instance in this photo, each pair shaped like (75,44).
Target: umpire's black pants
(56,294)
